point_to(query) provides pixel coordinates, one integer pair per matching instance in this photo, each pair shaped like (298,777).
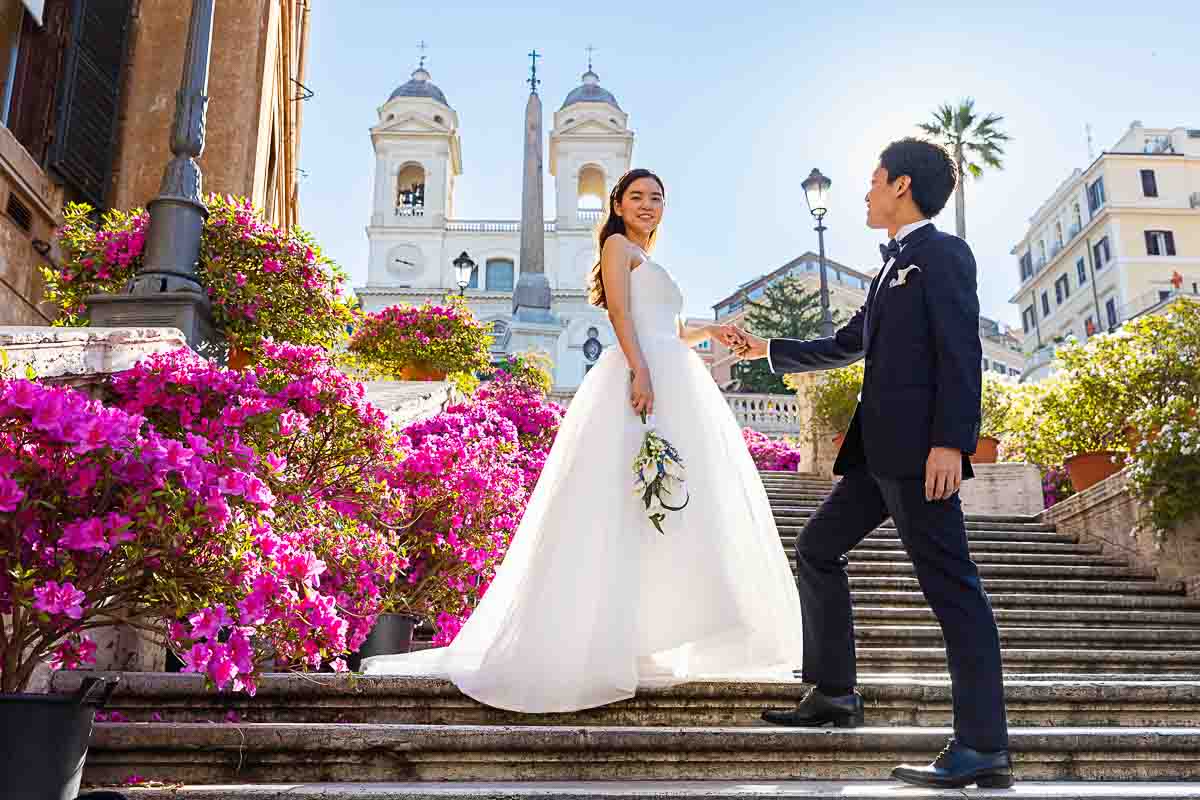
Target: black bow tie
(889,251)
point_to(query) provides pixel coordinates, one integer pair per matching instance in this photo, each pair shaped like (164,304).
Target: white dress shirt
(900,234)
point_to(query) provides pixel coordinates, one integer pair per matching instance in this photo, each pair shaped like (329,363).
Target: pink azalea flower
(84,535)
(11,494)
(52,598)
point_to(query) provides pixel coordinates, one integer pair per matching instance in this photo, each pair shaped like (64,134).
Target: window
(1081,271)
(757,293)
(1163,294)
(499,275)
(1042,250)
(1058,234)
(999,369)
(1160,243)
(1014,372)
(1095,194)
(1045,304)
(1062,289)
(1110,308)
(1028,319)
(410,191)
(1101,253)
(1077,219)
(474,282)
(987,364)
(1149,183)
(1026,266)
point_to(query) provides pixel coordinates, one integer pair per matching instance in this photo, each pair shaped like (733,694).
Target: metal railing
(766,413)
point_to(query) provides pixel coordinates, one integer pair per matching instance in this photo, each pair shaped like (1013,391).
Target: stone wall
(22,180)
(1109,514)
(1003,489)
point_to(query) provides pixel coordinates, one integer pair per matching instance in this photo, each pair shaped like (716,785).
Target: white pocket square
(902,276)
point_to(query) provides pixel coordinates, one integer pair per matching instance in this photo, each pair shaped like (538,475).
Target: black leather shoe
(958,766)
(817,709)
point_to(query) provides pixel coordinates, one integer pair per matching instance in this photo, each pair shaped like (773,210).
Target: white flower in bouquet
(659,478)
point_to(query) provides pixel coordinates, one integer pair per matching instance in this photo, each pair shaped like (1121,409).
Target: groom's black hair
(930,168)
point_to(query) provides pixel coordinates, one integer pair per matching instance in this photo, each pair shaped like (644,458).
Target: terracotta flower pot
(421,371)
(1088,469)
(986,450)
(238,359)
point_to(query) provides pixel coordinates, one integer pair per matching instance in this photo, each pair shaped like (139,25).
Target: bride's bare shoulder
(616,243)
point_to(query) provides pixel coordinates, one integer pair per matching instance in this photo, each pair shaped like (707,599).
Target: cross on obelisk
(533,78)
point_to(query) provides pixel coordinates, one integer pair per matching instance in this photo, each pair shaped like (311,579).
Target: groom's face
(883,198)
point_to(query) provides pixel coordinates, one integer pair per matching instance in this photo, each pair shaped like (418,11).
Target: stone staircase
(1102,680)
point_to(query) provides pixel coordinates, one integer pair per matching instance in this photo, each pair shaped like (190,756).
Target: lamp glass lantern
(463,269)
(816,193)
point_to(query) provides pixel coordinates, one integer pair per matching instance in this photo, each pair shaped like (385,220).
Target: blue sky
(734,104)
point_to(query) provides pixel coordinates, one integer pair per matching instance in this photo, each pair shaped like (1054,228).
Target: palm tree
(975,143)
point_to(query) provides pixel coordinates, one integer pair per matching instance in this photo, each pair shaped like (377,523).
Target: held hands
(943,473)
(641,392)
(745,346)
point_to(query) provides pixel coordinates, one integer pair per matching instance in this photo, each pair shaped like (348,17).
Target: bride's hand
(642,393)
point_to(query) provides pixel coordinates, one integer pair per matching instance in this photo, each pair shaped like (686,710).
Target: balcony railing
(410,211)
(491,226)
(766,413)
(589,215)
(1152,300)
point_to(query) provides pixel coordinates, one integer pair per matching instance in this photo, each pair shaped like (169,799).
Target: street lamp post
(816,194)
(463,267)
(166,290)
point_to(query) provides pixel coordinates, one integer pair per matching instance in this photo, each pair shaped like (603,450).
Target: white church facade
(415,236)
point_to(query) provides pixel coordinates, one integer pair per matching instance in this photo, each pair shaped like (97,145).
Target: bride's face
(641,208)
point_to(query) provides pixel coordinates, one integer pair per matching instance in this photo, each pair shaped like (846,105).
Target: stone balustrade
(772,414)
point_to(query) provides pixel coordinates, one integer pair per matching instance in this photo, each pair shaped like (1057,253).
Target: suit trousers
(934,536)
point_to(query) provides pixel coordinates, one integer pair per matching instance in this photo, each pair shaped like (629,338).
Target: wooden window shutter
(1170,237)
(1151,244)
(35,78)
(82,152)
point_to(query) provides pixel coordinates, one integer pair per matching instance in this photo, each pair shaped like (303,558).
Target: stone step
(326,698)
(798,516)
(1016,600)
(1142,638)
(279,752)
(1074,660)
(982,555)
(1066,586)
(1026,571)
(977,546)
(1072,618)
(669,790)
(791,528)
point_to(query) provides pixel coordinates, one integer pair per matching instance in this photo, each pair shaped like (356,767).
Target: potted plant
(834,398)
(422,343)
(265,283)
(994,408)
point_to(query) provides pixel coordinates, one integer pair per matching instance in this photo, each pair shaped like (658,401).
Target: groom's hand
(943,473)
(747,346)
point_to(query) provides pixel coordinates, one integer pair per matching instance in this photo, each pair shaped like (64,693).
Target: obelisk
(531,296)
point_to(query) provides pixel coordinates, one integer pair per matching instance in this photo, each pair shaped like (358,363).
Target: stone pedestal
(1003,489)
(534,330)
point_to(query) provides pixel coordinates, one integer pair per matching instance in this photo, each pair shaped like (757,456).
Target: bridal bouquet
(659,477)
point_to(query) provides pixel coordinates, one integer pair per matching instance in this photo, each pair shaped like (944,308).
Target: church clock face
(592,348)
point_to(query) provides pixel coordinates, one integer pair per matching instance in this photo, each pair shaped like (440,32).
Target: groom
(904,457)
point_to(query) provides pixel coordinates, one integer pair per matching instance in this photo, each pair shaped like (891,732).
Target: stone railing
(81,356)
(491,226)
(772,414)
(589,215)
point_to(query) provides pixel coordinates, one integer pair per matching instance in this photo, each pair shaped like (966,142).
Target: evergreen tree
(786,311)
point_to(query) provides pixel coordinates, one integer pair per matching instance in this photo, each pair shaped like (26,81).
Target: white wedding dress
(591,602)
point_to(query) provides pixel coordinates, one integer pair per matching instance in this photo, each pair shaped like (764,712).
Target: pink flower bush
(445,338)
(308,467)
(771,454)
(266,283)
(469,475)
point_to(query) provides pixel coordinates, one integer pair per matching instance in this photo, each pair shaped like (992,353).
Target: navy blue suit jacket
(923,373)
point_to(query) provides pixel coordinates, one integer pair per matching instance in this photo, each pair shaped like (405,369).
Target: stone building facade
(85,112)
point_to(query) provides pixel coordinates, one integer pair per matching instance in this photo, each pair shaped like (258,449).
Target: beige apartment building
(847,292)
(1114,240)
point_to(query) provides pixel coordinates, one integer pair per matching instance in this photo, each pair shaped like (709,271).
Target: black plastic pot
(45,740)
(393,633)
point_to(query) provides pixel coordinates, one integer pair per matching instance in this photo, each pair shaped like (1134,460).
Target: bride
(591,602)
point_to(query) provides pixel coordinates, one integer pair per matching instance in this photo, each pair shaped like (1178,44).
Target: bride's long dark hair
(614,224)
